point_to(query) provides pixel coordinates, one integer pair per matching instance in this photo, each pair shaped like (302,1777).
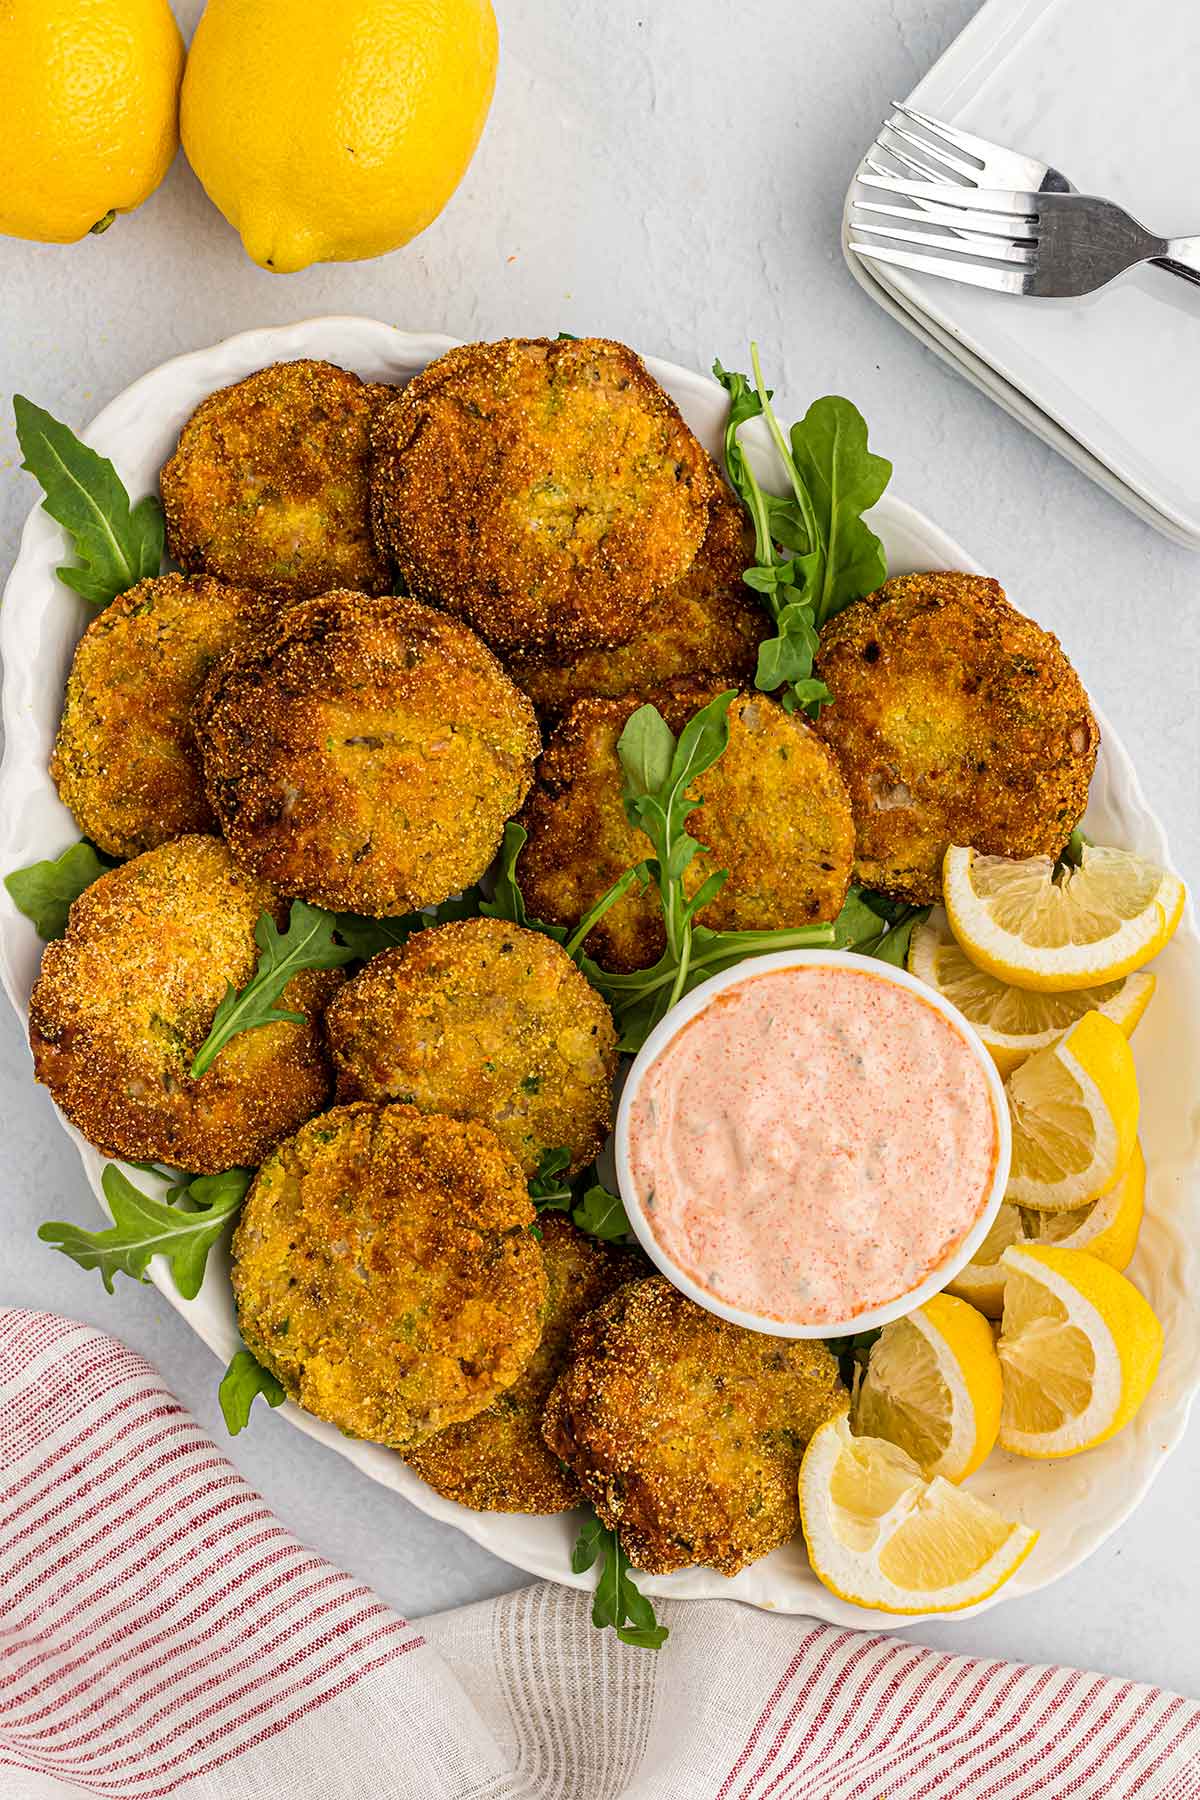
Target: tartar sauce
(813,1143)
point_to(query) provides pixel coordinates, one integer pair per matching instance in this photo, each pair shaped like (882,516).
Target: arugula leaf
(143,1227)
(116,544)
(599,1213)
(852,1353)
(306,943)
(549,1189)
(893,946)
(843,479)
(367,937)
(602,1215)
(508,902)
(243,1379)
(617,1601)
(46,891)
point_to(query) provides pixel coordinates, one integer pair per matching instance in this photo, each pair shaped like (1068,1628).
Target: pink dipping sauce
(813,1144)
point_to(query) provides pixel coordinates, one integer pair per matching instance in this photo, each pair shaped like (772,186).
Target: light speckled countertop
(671,175)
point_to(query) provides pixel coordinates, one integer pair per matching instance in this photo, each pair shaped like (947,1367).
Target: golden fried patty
(125,761)
(385,1272)
(366,753)
(482,1020)
(775,814)
(498,1461)
(269,484)
(708,624)
(126,998)
(956,720)
(686,1432)
(547,492)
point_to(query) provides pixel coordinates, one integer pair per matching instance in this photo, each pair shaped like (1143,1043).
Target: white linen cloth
(161,1633)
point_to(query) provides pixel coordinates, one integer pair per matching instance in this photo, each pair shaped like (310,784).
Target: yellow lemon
(933,1386)
(1079,1349)
(326,133)
(1056,933)
(1013,1021)
(879,1534)
(1074,1111)
(89,99)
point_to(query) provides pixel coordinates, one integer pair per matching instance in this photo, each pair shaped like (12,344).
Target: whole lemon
(329,130)
(89,99)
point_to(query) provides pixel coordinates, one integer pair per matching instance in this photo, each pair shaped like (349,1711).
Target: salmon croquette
(709,624)
(125,761)
(956,720)
(548,492)
(126,998)
(774,813)
(385,1272)
(684,1431)
(482,1020)
(365,753)
(498,1461)
(268,487)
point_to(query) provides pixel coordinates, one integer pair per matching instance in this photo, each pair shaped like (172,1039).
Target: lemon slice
(1108,1228)
(1087,927)
(879,1534)
(1012,1021)
(1074,1111)
(1079,1348)
(933,1386)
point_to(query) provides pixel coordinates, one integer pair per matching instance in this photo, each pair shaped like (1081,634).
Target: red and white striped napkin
(161,1633)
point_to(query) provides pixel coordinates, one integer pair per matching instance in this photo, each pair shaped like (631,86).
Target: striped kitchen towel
(161,1633)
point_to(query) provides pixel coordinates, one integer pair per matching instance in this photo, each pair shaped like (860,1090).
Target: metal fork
(1056,246)
(968,160)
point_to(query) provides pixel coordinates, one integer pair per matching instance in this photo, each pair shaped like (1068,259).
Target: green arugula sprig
(508,902)
(307,942)
(875,926)
(116,544)
(183,1227)
(813,553)
(46,891)
(242,1382)
(617,1601)
(596,1211)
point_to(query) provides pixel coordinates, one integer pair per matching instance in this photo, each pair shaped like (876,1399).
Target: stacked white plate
(1106,94)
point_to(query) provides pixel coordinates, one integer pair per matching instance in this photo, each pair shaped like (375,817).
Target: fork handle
(1182,257)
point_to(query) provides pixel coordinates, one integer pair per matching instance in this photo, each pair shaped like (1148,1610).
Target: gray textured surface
(673,177)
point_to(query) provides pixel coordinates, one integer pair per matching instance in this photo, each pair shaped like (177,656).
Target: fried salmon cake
(498,1461)
(684,1431)
(546,491)
(385,1272)
(125,762)
(268,487)
(774,813)
(126,997)
(955,720)
(365,753)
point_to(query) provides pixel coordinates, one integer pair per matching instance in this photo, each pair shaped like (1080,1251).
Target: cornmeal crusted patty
(498,1461)
(956,720)
(125,999)
(365,753)
(546,491)
(385,1272)
(125,761)
(268,487)
(775,814)
(482,1020)
(686,1432)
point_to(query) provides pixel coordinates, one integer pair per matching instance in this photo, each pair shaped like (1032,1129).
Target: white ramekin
(682,1014)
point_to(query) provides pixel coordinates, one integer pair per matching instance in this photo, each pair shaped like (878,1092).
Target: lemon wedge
(1108,1228)
(1079,1349)
(879,1534)
(1013,1021)
(1087,927)
(1074,1110)
(933,1386)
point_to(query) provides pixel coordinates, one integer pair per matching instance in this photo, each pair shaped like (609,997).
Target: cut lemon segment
(1013,1021)
(1108,1228)
(933,1386)
(880,1534)
(1074,1110)
(1079,1348)
(1053,933)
